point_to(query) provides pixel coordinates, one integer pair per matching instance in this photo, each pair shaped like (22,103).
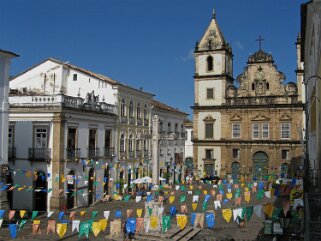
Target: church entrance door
(260,165)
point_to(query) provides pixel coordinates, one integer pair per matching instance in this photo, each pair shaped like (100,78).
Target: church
(248,126)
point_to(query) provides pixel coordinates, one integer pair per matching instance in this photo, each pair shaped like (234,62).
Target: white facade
(171,153)
(189,165)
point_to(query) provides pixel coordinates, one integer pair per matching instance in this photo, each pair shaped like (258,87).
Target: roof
(163,106)
(9,53)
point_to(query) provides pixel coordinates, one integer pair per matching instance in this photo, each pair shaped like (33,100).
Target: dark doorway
(236,170)
(40,197)
(9,193)
(260,165)
(91,189)
(129,177)
(71,190)
(284,170)
(121,181)
(106,180)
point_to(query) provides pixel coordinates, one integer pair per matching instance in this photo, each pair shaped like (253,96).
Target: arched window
(138,114)
(253,86)
(138,145)
(267,85)
(145,145)
(122,143)
(131,109)
(145,112)
(123,107)
(130,143)
(209,63)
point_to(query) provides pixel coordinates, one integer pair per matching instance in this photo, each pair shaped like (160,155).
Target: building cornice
(234,106)
(210,77)
(248,142)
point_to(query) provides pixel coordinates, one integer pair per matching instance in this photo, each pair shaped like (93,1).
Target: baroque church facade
(248,126)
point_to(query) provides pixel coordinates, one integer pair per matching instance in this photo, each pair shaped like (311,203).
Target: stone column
(57,201)
(155,156)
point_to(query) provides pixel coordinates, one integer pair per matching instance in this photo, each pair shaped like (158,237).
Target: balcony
(138,153)
(39,154)
(139,121)
(73,154)
(109,152)
(93,153)
(131,120)
(11,153)
(146,122)
(123,119)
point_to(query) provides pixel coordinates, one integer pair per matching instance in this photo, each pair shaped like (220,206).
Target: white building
(189,146)
(5,59)
(171,152)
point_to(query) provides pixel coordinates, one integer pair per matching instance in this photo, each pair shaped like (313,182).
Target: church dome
(260,56)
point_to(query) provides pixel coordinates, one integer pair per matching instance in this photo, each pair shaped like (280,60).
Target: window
(236,130)
(265,130)
(123,108)
(41,138)
(285,130)
(92,138)
(138,114)
(209,130)
(137,145)
(131,109)
(107,139)
(74,77)
(160,126)
(209,154)
(267,86)
(145,145)
(169,127)
(11,137)
(130,143)
(209,63)
(71,138)
(210,93)
(236,153)
(145,112)
(253,86)
(182,128)
(285,154)
(122,143)
(255,130)
(176,127)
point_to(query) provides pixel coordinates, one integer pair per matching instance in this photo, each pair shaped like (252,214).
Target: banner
(227,214)
(131,225)
(181,221)
(61,229)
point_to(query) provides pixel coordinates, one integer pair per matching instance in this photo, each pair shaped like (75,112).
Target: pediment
(260,117)
(209,118)
(285,117)
(236,117)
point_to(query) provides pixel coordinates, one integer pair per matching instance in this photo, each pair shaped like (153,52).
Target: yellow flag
(242,184)
(82,213)
(246,189)
(20,188)
(103,224)
(227,214)
(22,213)
(194,206)
(205,192)
(36,221)
(61,229)
(268,209)
(247,196)
(153,222)
(96,228)
(272,192)
(139,212)
(166,192)
(171,199)
(181,221)
(229,195)
(191,187)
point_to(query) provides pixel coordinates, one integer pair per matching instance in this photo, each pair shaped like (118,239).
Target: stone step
(191,234)
(182,233)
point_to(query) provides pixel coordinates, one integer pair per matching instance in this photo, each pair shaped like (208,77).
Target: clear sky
(146,43)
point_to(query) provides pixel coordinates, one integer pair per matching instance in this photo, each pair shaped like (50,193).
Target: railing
(146,122)
(138,153)
(139,121)
(73,154)
(131,120)
(93,153)
(11,153)
(123,119)
(39,154)
(59,100)
(109,152)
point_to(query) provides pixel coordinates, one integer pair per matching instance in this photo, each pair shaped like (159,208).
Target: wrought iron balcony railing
(109,152)
(93,153)
(139,121)
(39,154)
(73,154)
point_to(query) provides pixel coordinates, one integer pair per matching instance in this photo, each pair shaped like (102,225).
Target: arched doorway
(106,180)
(91,189)
(121,181)
(284,170)
(129,177)
(9,193)
(235,170)
(40,197)
(71,190)
(260,165)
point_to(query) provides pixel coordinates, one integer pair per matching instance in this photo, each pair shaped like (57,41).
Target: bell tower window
(267,85)
(209,63)
(253,86)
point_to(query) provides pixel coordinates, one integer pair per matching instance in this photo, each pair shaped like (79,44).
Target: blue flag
(193,217)
(1,213)
(209,218)
(172,210)
(131,225)
(13,230)
(117,214)
(207,197)
(149,198)
(61,215)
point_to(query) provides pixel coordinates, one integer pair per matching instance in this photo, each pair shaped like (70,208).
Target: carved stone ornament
(259,74)
(213,41)
(260,56)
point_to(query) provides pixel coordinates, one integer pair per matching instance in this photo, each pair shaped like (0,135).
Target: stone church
(248,126)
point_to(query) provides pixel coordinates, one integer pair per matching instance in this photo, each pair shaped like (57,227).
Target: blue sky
(146,43)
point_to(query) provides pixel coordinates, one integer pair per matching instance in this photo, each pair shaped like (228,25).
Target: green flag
(22,223)
(84,229)
(204,206)
(249,212)
(237,193)
(183,188)
(94,214)
(260,194)
(126,198)
(34,214)
(166,223)
(182,199)
(150,211)
(197,192)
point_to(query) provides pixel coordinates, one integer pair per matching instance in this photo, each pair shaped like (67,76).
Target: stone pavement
(221,231)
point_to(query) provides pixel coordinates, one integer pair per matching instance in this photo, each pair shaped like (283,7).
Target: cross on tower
(260,40)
